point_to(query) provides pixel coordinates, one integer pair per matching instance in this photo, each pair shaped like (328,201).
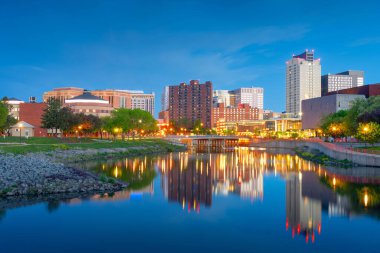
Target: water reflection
(193,179)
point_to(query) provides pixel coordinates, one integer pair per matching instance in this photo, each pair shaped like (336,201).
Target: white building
(14,107)
(221,96)
(345,80)
(143,101)
(165,99)
(303,81)
(253,96)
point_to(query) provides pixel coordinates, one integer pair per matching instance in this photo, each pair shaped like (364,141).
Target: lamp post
(20,128)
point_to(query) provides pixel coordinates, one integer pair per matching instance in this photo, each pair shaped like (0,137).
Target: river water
(245,201)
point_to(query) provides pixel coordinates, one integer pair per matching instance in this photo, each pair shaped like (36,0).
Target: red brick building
(366,90)
(32,113)
(242,112)
(191,102)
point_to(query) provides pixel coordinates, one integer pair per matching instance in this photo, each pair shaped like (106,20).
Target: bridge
(207,143)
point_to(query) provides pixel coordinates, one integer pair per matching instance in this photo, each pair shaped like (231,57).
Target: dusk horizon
(128,44)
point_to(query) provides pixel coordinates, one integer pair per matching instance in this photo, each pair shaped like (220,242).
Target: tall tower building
(303,80)
(345,80)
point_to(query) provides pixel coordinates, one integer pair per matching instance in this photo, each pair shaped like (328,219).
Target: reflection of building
(189,181)
(303,214)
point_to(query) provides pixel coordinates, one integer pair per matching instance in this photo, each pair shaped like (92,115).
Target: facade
(116,98)
(62,94)
(165,99)
(14,107)
(191,102)
(303,81)
(242,112)
(283,124)
(221,96)
(340,81)
(366,90)
(22,129)
(268,114)
(313,110)
(143,101)
(253,96)
(31,113)
(89,104)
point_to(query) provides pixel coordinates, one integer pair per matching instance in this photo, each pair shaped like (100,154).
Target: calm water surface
(247,201)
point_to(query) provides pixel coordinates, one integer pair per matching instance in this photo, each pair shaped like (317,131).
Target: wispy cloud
(365,41)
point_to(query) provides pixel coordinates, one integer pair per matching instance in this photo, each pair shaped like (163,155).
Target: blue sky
(148,44)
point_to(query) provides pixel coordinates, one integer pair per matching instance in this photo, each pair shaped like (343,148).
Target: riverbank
(334,151)
(37,173)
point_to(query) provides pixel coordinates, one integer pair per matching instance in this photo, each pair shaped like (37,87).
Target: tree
(8,124)
(373,116)
(50,118)
(130,121)
(335,124)
(368,132)
(3,114)
(67,120)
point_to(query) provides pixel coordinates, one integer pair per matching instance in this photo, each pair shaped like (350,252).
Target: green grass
(51,144)
(43,140)
(371,148)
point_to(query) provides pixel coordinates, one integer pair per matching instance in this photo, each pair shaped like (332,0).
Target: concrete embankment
(332,150)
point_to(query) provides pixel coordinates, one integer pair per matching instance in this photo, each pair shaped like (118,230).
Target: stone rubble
(38,174)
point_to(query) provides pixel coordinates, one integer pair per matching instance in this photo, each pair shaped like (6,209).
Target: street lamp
(20,127)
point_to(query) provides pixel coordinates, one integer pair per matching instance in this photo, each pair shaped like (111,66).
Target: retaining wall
(332,150)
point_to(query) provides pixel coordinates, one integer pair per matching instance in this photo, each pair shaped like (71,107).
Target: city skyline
(50,45)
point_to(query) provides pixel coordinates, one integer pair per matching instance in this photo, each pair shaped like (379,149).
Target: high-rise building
(303,81)
(253,96)
(340,81)
(221,96)
(191,102)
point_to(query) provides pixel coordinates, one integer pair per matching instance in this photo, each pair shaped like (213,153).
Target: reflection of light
(116,172)
(334,181)
(366,199)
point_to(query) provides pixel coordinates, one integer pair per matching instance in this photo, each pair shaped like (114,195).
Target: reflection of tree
(53,205)
(365,198)
(138,180)
(2,213)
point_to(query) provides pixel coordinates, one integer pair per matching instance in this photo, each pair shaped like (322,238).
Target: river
(243,201)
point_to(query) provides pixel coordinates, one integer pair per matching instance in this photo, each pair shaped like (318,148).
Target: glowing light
(366,199)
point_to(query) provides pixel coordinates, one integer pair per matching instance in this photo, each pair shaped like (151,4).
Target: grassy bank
(320,158)
(10,145)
